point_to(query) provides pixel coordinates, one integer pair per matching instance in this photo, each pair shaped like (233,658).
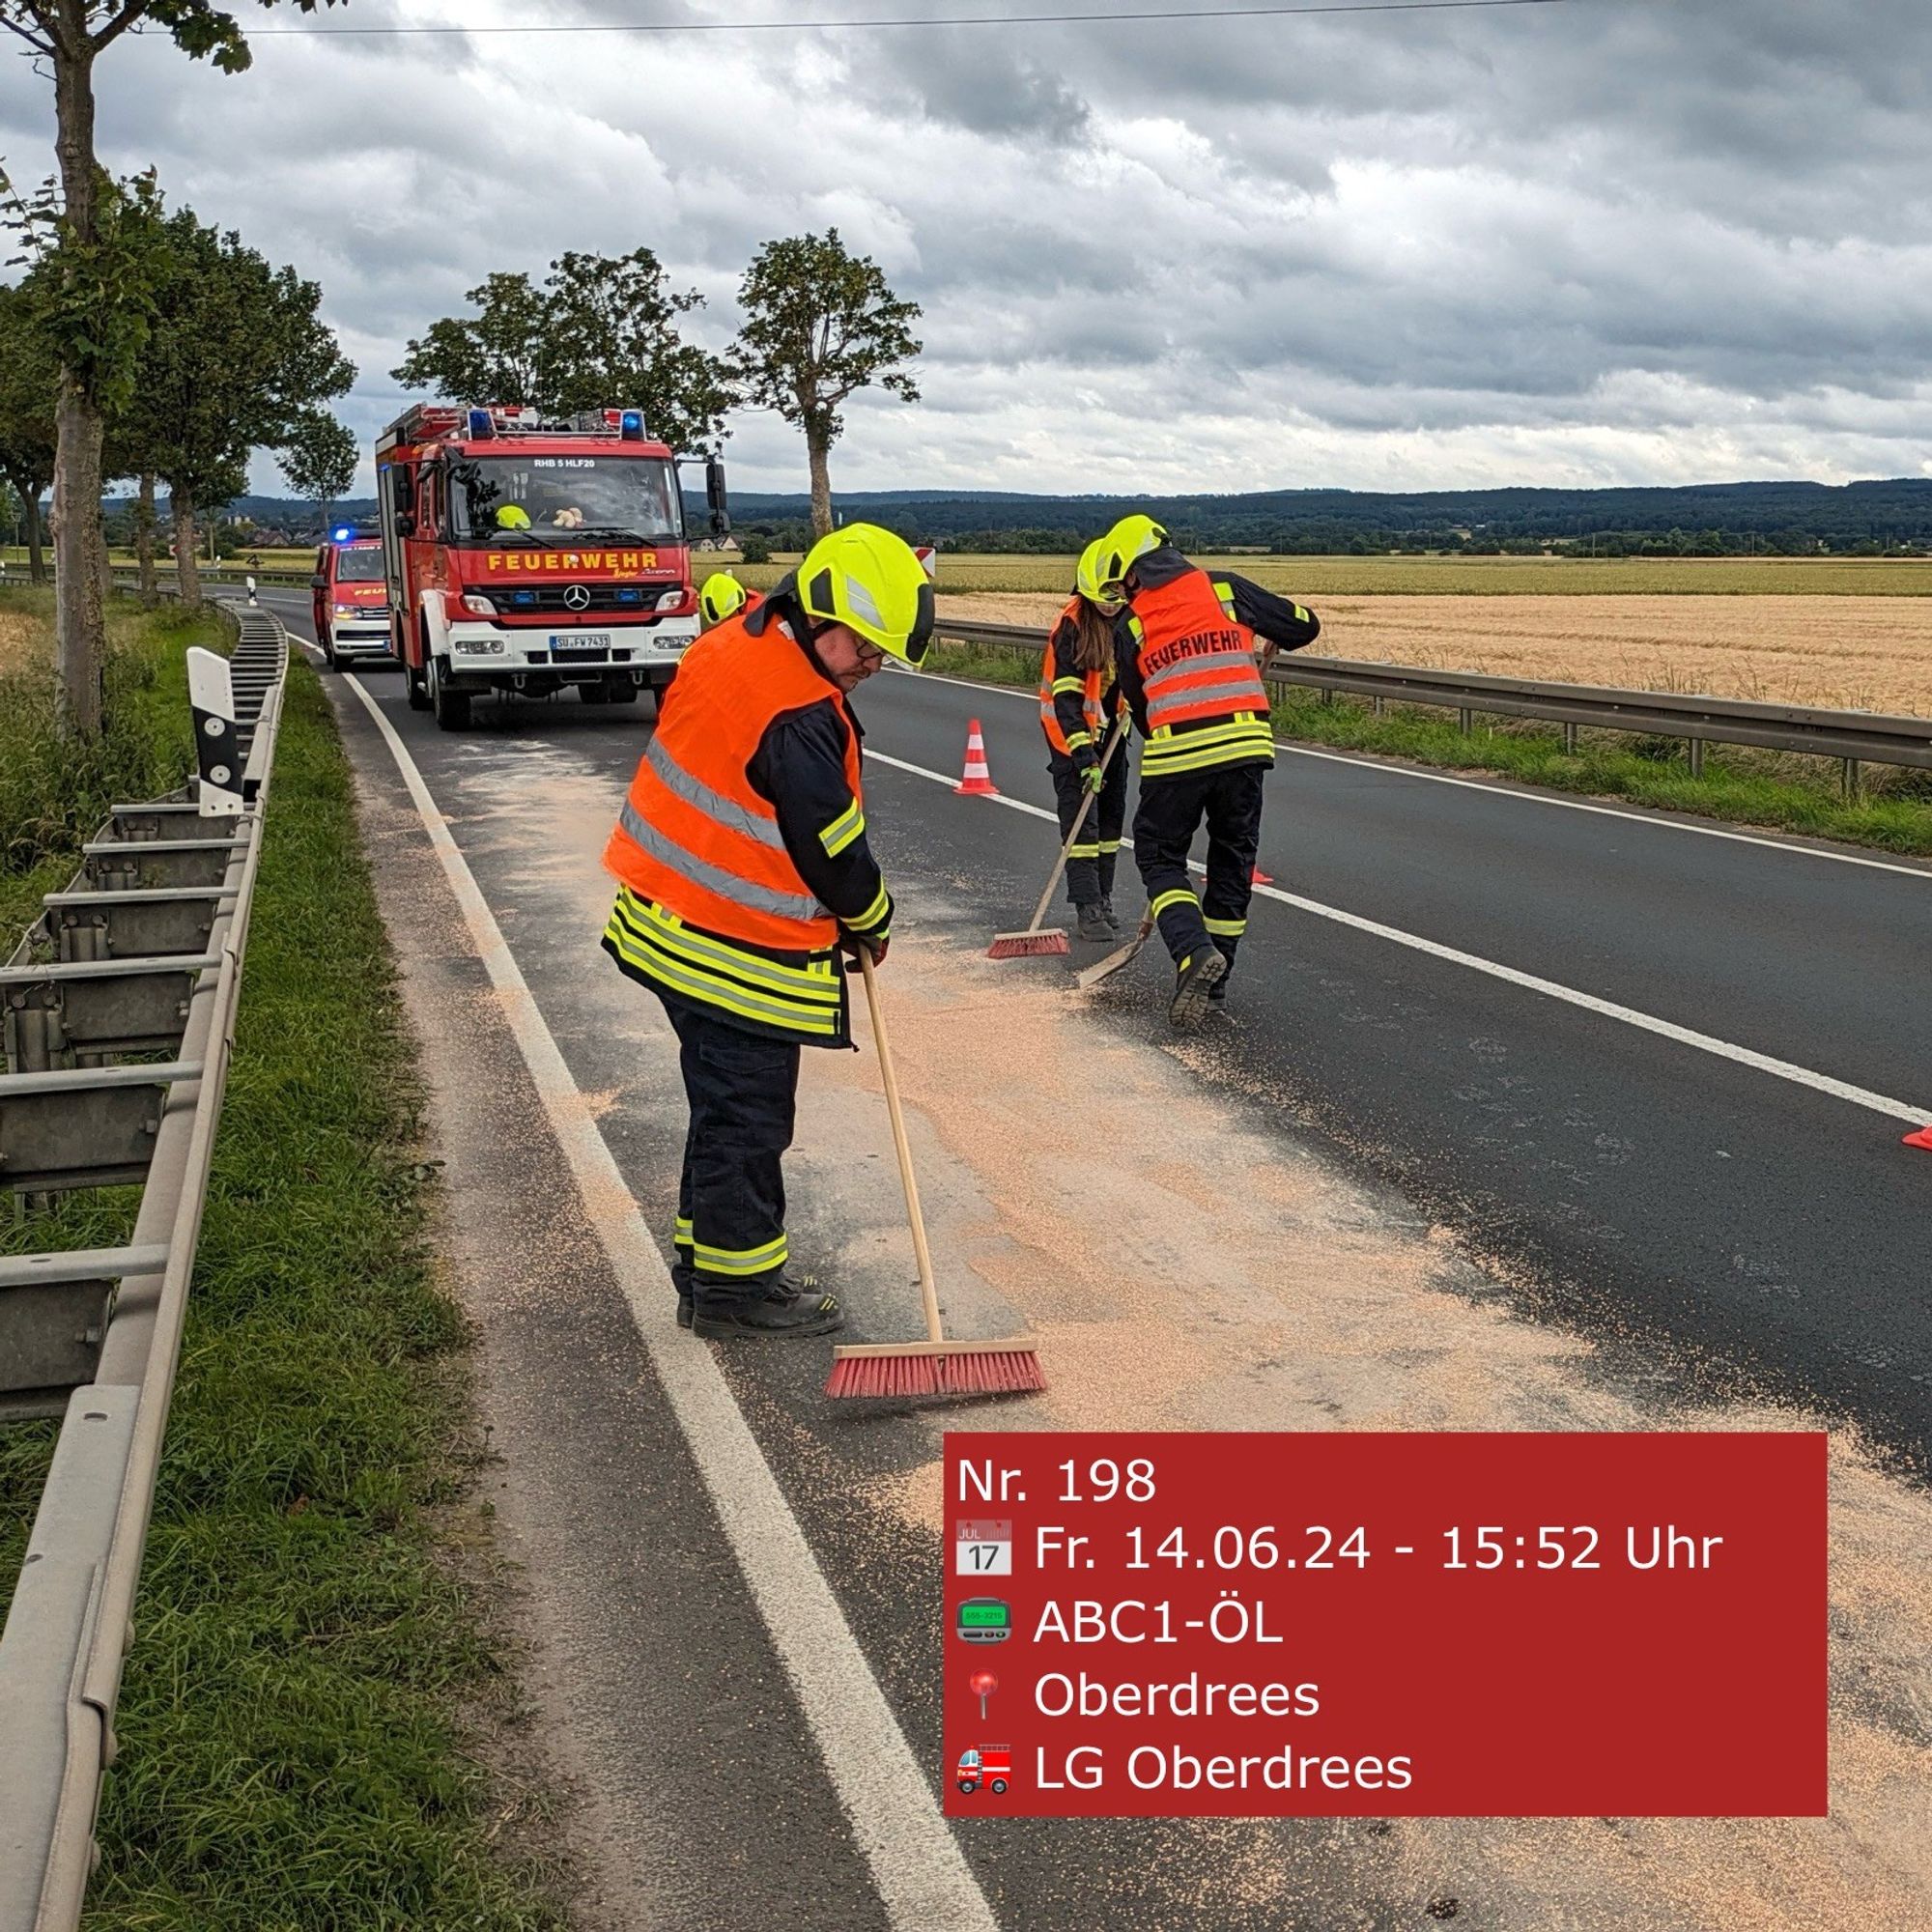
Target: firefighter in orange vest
(1190,672)
(744,872)
(1079,707)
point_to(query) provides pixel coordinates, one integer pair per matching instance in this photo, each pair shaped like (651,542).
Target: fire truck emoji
(990,1765)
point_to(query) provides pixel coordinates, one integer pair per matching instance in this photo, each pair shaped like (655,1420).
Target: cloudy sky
(1592,241)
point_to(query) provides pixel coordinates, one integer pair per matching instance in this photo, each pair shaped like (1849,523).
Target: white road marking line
(1744,1055)
(1497,789)
(922,1878)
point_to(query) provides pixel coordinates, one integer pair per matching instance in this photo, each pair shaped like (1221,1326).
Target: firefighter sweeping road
(1396,1185)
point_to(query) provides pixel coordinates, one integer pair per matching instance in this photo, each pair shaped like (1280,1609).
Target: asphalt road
(1716,1227)
(1750,1228)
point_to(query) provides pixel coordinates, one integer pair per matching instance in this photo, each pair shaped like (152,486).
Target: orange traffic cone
(978,782)
(1261,878)
(1922,1138)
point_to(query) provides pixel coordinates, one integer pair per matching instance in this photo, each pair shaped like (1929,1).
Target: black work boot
(1218,994)
(1093,923)
(681,1278)
(1194,984)
(789,1307)
(1112,918)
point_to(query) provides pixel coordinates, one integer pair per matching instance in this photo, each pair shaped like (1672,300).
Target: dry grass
(1867,653)
(25,634)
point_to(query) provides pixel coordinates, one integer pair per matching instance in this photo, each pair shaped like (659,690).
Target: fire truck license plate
(580,644)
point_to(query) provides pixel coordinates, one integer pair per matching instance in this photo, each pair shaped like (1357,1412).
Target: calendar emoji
(982,1549)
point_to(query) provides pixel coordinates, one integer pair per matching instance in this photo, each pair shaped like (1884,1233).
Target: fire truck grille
(549,600)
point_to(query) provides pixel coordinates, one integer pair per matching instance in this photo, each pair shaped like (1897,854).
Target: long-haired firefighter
(1080,706)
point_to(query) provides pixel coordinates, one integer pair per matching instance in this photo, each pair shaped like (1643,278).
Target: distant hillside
(1781,516)
(1790,518)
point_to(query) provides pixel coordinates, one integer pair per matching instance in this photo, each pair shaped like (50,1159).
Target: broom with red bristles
(934,1366)
(1036,941)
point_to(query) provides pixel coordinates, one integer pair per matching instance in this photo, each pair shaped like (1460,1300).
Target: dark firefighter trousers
(1172,810)
(742,1089)
(1090,867)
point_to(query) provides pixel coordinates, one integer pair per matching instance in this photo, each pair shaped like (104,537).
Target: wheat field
(1862,653)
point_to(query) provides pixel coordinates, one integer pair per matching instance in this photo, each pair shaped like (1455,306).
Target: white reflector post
(210,697)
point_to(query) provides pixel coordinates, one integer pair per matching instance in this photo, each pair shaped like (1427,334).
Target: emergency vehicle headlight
(670,600)
(475,602)
(349,609)
(482,425)
(481,646)
(631,425)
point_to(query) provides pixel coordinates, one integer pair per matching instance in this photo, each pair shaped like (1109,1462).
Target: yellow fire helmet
(1131,537)
(513,517)
(870,581)
(723,596)
(1092,586)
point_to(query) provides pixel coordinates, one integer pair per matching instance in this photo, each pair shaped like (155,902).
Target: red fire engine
(990,1765)
(527,555)
(352,604)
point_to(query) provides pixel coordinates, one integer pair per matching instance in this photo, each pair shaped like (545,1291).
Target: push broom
(1036,941)
(934,1366)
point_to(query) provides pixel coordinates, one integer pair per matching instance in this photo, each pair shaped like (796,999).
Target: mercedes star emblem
(576,597)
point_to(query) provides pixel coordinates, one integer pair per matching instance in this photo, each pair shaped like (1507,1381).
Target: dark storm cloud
(1605,239)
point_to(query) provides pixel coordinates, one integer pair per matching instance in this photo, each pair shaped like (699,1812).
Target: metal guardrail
(143,955)
(1853,737)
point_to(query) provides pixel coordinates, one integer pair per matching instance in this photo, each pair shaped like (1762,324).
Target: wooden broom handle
(928,1291)
(1079,819)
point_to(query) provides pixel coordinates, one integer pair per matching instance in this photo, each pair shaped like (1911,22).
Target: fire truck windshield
(516,497)
(363,564)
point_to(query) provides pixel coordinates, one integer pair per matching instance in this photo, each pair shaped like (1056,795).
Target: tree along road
(1713,1228)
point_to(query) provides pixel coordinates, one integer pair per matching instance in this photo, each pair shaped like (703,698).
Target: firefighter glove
(855,943)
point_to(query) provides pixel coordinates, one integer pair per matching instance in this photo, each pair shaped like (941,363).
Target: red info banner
(1386,1625)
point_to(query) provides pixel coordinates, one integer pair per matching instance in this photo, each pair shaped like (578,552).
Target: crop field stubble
(1833,631)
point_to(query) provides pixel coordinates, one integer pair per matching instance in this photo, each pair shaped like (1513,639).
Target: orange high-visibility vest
(1196,658)
(693,836)
(1089,696)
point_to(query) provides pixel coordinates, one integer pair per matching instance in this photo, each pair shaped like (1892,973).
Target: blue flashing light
(344,534)
(522,597)
(482,425)
(631,425)
(629,597)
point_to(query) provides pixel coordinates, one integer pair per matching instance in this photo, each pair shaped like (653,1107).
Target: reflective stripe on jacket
(693,836)
(801,998)
(1195,661)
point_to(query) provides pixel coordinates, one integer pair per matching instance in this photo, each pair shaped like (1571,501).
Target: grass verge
(54,793)
(1746,788)
(292,1721)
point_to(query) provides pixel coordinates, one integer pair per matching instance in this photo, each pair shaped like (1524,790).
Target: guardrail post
(30,1049)
(1696,746)
(1848,778)
(1378,704)
(1464,719)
